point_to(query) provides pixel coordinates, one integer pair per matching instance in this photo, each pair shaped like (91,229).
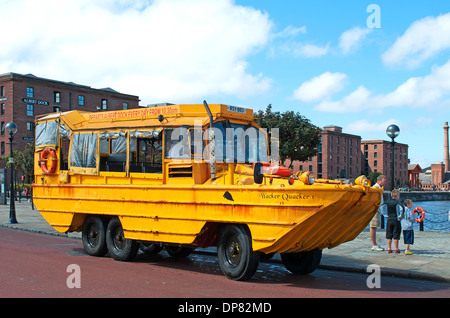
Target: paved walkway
(431,258)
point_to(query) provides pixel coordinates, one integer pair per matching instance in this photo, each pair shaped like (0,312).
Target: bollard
(421,226)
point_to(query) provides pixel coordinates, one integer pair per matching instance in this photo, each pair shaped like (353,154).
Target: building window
(56,109)
(30,110)
(3,148)
(125,106)
(375,163)
(2,109)
(3,128)
(81,100)
(2,91)
(104,105)
(30,92)
(375,154)
(56,97)
(30,126)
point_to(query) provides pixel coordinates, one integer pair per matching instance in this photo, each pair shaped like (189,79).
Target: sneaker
(389,251)
(376,248)
(408,252)
(397,251)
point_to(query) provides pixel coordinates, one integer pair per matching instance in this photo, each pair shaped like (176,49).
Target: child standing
(407,226)
(392,209)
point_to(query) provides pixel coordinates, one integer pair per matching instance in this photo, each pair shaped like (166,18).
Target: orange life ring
(25,191)
(420,211)
(43,161)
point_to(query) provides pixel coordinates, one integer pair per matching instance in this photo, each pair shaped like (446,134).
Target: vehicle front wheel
(302,262)
(237,260)
(121,249)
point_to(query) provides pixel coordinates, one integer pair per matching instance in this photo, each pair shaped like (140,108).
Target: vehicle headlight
(307,178)
(363,181)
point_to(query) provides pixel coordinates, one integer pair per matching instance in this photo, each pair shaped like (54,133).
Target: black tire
(120,248)
(237,260)
(151,248)
(303,262)
(266,256)
(94,236)
(178,251)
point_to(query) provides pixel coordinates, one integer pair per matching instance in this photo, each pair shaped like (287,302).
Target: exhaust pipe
(212,146)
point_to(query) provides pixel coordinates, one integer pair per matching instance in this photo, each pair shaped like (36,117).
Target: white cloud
(290,31)
(365,127)
(423,39)
(175,51)
(320,87)
(429,91)
(355,101)
(351,39)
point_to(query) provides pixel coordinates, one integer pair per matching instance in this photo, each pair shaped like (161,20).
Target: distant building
(339,156)
(23,97)
(435,178)
(414,175)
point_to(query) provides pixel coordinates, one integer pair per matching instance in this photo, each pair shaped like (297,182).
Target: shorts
(393,229)
(375,222)
(408,236)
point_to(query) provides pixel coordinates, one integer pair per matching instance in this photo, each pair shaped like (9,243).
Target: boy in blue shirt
(407,222)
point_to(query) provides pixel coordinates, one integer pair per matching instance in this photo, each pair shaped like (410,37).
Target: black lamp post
(11,128)
(392,131)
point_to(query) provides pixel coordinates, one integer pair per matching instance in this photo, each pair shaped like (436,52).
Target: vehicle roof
(173,115)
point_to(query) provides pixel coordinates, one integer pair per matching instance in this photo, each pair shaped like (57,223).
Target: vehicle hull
(280,218)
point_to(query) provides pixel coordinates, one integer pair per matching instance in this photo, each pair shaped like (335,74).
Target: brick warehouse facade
(23,97)
(377,158)
(339,156)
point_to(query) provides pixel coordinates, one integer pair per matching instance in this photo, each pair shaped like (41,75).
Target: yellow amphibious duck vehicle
(187,176)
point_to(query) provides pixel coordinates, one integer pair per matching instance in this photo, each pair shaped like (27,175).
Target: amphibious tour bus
(185,176)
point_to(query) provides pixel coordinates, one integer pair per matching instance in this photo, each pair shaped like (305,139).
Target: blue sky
(320,58)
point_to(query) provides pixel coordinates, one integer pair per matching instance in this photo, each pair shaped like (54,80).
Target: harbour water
(436,215)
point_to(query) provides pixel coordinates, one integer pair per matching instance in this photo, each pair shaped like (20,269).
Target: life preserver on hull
(43,161)
(421,213)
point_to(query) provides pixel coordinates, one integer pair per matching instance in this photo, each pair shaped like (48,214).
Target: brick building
(23,97)
(339,156)
(377,158)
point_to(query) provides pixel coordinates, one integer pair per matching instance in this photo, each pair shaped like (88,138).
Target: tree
(373,176)
(23,162)
(299,139)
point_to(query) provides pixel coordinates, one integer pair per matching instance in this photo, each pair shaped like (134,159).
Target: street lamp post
(392,131)
(11,128)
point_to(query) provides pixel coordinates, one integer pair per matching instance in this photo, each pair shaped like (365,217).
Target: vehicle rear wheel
(302,262)
(121,249)
(237,260)
(94,236)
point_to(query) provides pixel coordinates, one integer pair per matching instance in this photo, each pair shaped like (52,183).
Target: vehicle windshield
(235,143)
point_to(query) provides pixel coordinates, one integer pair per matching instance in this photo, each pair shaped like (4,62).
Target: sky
(361,65)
